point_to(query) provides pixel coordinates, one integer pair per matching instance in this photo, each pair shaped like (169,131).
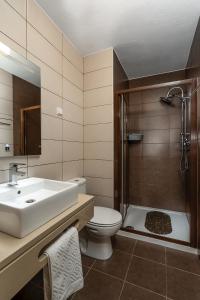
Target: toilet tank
(81,184)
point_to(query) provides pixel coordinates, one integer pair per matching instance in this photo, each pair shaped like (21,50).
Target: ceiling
(149,36)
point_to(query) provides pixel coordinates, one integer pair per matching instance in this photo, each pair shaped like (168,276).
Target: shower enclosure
(157,158)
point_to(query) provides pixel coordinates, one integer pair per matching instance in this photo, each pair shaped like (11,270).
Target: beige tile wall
(98,126)
(65,141)
(28,30)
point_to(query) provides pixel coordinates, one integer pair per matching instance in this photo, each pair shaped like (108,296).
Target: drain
(30,201)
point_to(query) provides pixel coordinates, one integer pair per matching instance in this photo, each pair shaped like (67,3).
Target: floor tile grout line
(89,268)
(125,277)
(167,265)
(125,280)
(146,289)
(150,260)
(185,271)
(88,271)
(107,274)
(132,255)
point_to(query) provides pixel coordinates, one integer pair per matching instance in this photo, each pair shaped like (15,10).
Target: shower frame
(191,181)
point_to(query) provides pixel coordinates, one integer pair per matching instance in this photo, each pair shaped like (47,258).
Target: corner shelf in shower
(135,137)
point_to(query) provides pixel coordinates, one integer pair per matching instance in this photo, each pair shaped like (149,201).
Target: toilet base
(97,247)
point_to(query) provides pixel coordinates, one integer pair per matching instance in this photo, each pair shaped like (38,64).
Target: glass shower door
(124,156)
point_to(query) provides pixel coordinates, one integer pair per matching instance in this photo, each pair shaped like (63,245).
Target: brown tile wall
(154,178)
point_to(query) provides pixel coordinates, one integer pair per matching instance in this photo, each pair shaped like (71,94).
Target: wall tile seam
(72,83)
(45,163)
(7,85)
(81,89)
(60,51)
(102,195)
(44,37)
(86,125)
(99,69)
(72,122)
(67,40)
(98,159)
(110,142)
(60,74)
(52,163)
(83,116)
(96,88)
(142,103)
(59,55)
(67,99)
(71,62)
(98,123)
(64,37)
(50,139)
(156,115)
(72,141)
(38,58)
(97,106)
(20,167)
(91,106)
(14,41)
(23,17)
(62,146)
(60,96)
(48,40)
(97,177)
(167,129)
(62,119)
(97,141)
(51,92)
(72,160)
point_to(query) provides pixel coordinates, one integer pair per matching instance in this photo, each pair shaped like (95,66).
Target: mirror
(20,105)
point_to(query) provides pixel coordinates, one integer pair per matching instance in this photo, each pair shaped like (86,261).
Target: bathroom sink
(33,202)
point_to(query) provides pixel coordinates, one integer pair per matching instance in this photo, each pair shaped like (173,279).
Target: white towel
(63,276)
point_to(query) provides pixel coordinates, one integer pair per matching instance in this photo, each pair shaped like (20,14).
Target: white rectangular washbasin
(33,202)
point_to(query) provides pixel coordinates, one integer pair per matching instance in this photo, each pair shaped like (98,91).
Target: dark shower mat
(158,222)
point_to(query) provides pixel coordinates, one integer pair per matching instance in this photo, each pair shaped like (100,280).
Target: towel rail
(26,265)
(42,257)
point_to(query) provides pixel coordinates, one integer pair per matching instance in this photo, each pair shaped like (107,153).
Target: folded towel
(63,276)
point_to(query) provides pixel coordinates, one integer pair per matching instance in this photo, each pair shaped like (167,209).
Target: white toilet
(95,241)
(105,223)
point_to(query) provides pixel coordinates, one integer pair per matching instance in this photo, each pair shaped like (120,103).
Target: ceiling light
(5,49)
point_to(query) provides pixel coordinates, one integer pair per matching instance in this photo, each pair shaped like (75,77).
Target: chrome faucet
(13,173)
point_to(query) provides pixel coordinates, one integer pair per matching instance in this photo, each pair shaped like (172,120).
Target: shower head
(174,92)
(167,100)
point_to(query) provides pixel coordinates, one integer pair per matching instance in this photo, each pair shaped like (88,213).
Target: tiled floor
(136,216)
(137,271)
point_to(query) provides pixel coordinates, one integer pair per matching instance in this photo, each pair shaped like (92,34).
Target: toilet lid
(105,216)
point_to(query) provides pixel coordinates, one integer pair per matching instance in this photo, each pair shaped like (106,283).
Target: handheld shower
(177,93)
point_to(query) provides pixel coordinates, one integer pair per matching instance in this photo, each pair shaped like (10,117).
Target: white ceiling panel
(149,36)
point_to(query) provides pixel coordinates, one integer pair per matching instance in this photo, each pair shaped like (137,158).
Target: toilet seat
(105,217)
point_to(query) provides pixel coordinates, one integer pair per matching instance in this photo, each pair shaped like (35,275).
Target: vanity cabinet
(22,259)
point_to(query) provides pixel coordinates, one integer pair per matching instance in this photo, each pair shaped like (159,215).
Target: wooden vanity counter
(21,259)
